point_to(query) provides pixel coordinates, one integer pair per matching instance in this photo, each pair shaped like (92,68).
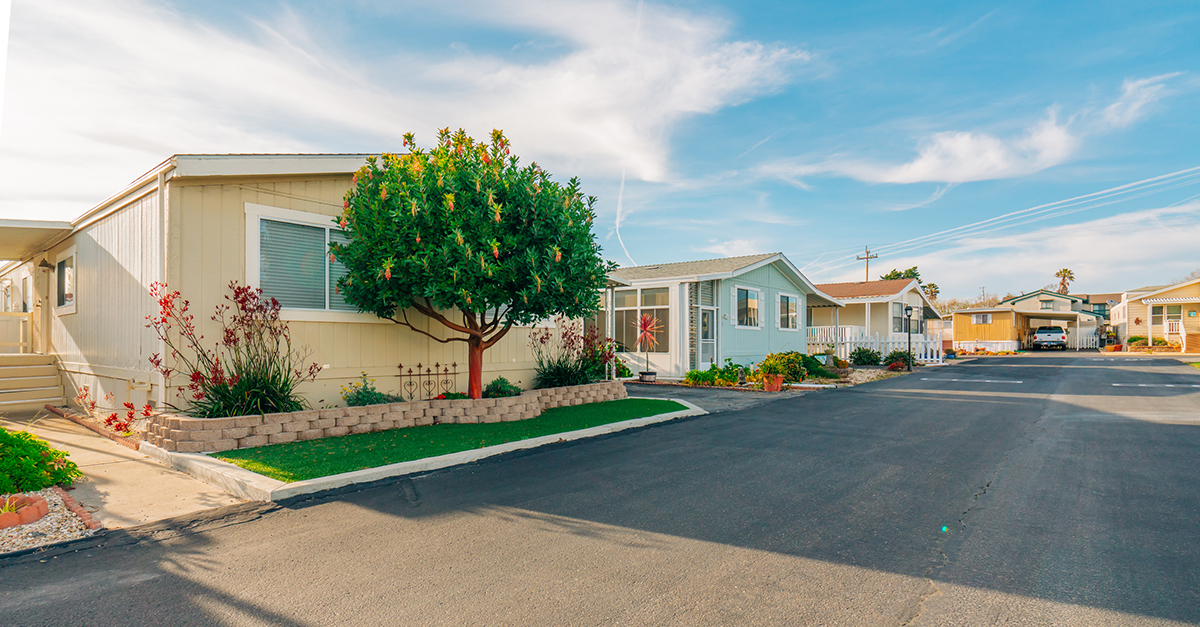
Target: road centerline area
(973,380)
(1155,385)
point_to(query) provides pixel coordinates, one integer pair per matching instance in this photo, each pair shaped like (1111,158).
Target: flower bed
(22,509)
(184,434)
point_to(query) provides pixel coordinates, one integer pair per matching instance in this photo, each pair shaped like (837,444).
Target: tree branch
(497,337)
(431,336)
(428,310)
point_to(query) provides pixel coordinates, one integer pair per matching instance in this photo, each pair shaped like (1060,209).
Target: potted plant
(772,374)
(647,326)
(830,358)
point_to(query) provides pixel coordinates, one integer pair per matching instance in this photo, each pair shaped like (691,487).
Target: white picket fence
(1086,341)
(16,332)
(925,350)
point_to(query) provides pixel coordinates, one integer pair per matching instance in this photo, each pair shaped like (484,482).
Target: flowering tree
(465,236)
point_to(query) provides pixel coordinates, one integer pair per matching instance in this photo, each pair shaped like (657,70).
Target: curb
(255,487)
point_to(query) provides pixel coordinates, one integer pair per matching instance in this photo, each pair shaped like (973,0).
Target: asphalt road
(1013,491)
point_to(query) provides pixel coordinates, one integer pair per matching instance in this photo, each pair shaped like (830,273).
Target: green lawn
(297,461)
(1196,364)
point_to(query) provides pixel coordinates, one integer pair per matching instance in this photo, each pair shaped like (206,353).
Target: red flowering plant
(253,369)
(558,351)
(113,419)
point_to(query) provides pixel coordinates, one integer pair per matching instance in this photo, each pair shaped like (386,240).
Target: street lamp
(908,327)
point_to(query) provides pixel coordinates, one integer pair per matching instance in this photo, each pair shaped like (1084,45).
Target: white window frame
(66,310)
(1046,304)
(761,307)
(779,308)
(255,213)
(27,302)
(985,318)
(639,308)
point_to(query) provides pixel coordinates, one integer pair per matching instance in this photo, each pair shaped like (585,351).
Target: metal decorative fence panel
(422,382)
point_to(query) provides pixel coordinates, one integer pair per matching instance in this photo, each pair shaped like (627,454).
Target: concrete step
(24,383)
(51,392)
(25,359)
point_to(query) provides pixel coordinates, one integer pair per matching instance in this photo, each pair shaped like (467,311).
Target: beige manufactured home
(77,292)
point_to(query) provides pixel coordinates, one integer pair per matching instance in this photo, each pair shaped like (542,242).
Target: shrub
(623,370)
(559,355)
(772,366)
(450,396)
(816,369)
(722,377)
(863,356)
(27,463)
(896,366)
(842,363)
(1133,339)
(500,388)
(253,369)
(792,364)
(895,356)
(363,392)
(597,353)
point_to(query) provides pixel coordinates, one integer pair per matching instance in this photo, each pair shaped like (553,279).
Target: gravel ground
(857,377)
(59,525)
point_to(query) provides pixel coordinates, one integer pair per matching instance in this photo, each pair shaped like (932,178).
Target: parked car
(1050,337)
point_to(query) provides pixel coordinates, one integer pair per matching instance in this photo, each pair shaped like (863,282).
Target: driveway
(1036,490)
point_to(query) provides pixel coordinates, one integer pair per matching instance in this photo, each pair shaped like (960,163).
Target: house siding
(1136,309)
(1002,328)
(208,237)
(746,346)
(105,344)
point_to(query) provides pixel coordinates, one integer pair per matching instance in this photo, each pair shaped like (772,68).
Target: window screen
(292,264)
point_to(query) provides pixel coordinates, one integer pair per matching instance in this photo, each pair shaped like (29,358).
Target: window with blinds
(294,265)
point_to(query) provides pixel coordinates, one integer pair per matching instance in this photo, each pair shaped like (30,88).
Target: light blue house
(740,308)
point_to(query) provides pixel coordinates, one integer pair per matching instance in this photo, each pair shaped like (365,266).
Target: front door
(708,338)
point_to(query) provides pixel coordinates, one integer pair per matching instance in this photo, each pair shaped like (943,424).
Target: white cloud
(957,157)
(1135,97)
(964,156)
(732,248)
(99,92)
(1155,246)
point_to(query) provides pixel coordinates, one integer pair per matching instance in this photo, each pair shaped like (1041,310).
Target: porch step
(28,382)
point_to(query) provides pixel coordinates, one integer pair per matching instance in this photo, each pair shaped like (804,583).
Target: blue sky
(988,145)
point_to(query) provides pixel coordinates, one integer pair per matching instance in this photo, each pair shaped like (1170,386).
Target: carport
(1055,319)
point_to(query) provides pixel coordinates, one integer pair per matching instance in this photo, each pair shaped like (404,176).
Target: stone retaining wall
(198,435)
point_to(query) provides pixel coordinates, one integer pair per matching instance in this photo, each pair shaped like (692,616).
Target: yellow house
(1169,312)
(1010,324)
(77,291)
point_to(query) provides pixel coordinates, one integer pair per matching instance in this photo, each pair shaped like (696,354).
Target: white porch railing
(1174,327)
(821,338)
(925,350)
(16,332)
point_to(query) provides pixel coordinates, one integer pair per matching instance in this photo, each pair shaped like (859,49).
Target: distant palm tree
(932,291)
(1064,276)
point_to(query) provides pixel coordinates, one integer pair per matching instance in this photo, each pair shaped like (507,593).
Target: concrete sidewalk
(121,487)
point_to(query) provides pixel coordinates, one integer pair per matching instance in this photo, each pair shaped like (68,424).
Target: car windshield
(1049,330)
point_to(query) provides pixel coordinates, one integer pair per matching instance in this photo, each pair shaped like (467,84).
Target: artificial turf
(297,461)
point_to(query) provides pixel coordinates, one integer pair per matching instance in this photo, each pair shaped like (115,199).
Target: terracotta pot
(772,382)
(9,519)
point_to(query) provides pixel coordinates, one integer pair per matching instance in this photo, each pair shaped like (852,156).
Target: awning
(1171,300)
(22,238)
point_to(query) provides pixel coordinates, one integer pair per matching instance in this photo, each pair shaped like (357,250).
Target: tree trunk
(475,367)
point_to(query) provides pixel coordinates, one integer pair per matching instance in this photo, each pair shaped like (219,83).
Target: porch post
(1150,325)
(837,333)
(868,318)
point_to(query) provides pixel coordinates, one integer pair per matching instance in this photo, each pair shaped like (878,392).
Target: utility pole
(867,257)
(982,292)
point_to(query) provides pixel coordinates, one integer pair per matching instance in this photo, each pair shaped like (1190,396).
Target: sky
(987,144)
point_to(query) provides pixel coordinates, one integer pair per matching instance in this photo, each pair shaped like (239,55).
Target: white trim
(779,306)
(256,212)
(66,310)
(734,307)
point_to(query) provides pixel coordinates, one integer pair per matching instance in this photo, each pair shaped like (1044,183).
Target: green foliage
(450,396)
(897,356)
(500,388)
(464,227)
(790,364)
(27,463)
(911,273)
(816,369)
(623,371)
(1133,339)
(863,356)
(564,356)
(714,376)
(363,392)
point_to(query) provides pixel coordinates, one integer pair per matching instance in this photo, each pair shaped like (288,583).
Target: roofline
(1020,297)
(1167,289)
(714,276)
